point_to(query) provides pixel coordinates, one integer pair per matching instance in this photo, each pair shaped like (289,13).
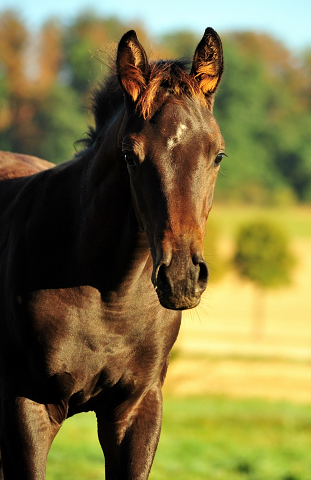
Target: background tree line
(263,105)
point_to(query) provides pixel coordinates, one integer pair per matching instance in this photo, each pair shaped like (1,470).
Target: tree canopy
(263,105)
(262,254)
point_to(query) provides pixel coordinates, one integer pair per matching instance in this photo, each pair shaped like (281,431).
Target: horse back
(37,218)
(15,165)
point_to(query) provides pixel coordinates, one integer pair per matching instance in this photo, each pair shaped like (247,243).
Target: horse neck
(110,238)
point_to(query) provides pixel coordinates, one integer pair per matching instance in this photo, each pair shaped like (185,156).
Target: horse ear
(132,65)
(208,64)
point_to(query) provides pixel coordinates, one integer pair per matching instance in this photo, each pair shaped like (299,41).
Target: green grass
(76,453)
(203,438)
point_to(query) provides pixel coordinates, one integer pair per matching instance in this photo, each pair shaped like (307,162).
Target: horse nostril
(203,273)
(161,276)
(203,270)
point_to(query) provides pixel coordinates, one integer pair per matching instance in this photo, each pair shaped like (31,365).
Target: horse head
(173,148)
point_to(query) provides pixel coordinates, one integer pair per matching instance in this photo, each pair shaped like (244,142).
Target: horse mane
(165,77)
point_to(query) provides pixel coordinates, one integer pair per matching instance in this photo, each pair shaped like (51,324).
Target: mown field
(236,406)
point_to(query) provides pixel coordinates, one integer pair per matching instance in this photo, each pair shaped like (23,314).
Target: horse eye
(129,160)
(219,158)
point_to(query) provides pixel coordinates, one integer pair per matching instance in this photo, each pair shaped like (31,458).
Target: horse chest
(86,348)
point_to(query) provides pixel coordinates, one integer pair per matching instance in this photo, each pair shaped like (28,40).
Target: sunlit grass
(233,439)
(203,438)
(295,220)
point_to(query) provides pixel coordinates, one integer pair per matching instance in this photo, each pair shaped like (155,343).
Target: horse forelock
(169,77)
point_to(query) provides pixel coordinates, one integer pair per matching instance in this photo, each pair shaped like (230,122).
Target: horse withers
(99,256)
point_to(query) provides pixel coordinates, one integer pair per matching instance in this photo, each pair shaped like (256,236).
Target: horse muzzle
(180,281)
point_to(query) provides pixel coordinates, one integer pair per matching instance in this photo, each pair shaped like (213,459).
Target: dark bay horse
(99,256)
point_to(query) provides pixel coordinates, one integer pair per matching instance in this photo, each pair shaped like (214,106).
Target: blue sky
(288,21)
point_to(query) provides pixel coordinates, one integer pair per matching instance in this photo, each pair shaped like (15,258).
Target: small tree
(263,257)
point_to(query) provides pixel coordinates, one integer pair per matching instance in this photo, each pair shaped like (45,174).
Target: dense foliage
(262,254)
(263,105)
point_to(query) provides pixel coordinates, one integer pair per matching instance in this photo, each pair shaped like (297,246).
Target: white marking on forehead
(176,139)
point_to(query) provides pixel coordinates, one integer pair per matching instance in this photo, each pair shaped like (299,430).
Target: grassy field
(296,220)
(237,407)
(212,438)
(217,438)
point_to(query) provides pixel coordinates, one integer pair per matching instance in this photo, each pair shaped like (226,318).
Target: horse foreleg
(26,436)
(129,441)
(1,470)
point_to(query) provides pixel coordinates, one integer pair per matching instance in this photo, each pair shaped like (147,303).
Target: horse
(100,255)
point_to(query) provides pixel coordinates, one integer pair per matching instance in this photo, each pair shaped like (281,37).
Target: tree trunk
(259,314)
